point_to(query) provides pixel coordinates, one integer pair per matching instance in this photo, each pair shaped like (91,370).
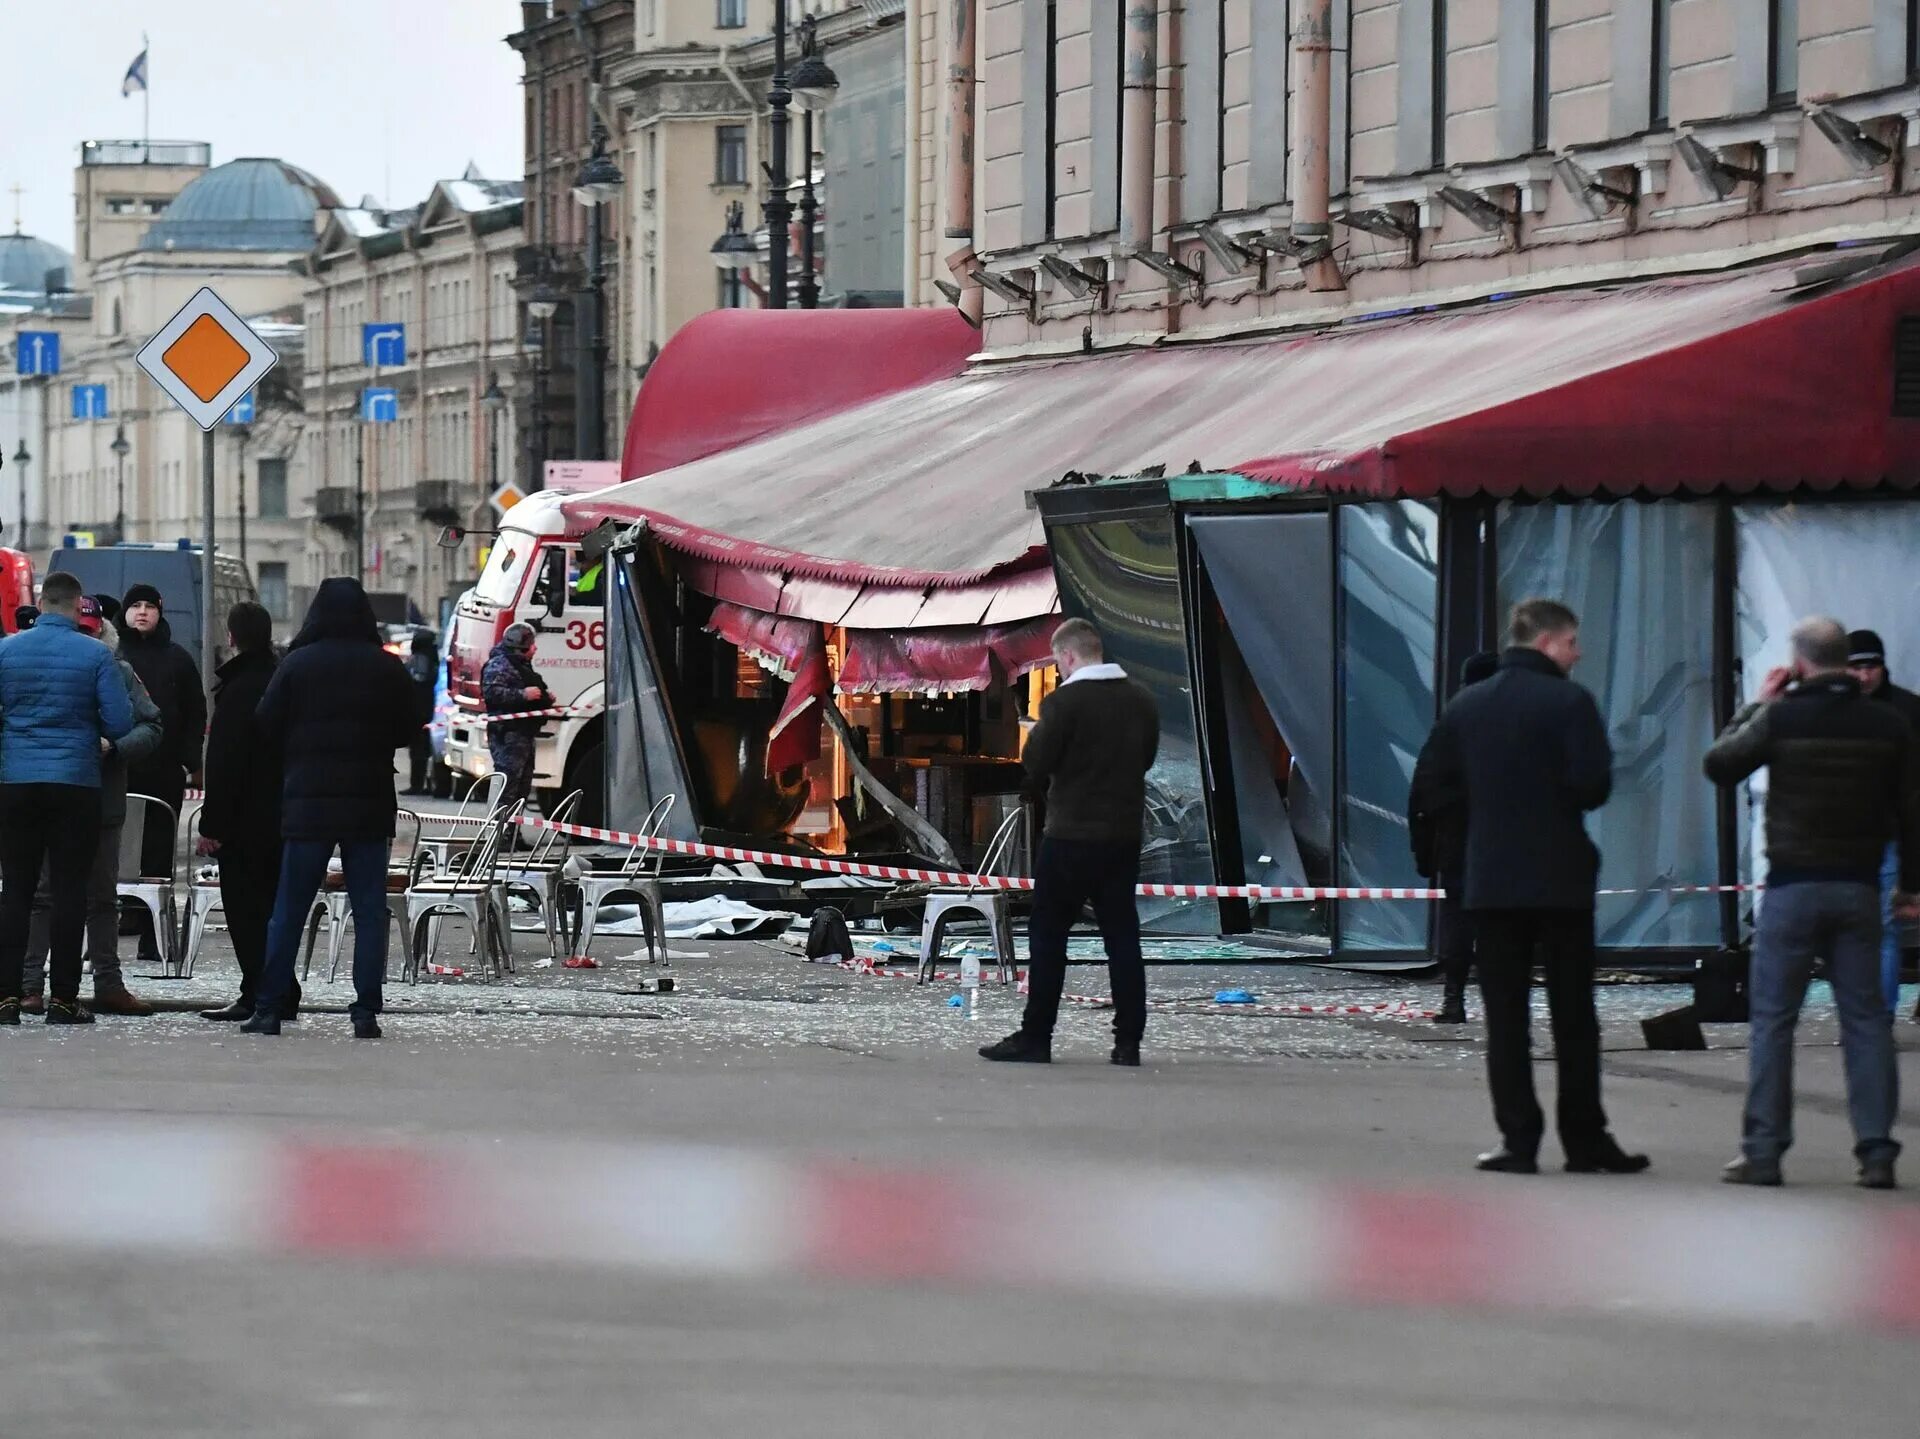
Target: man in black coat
(240,822)
(1529,751)
(338,707)
(168,672)
(1437,827)
(1867,663)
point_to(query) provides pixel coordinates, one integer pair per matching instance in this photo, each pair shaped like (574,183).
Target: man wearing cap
(1867,663)
(60,696)
(510,685)
(168,672)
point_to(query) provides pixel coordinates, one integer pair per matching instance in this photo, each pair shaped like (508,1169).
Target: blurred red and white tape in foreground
(1551,1244)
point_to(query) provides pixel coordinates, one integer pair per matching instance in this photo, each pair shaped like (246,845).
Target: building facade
(414,384)
(1459,148)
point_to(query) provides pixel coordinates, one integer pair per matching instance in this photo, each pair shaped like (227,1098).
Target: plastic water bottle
(970,982)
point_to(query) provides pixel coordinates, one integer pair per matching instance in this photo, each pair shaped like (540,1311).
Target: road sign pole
(208,623)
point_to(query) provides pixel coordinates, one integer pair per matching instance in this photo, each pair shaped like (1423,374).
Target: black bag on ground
(828,936)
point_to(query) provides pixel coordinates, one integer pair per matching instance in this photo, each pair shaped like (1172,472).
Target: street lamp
(21,460)
(120,449)
(243,433)
(814,86)
(734,250)
(813,82)
(543,305)
(598,182)
(778,208)
(494,400)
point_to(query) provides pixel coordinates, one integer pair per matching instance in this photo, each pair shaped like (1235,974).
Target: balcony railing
(439,501)
(333,505)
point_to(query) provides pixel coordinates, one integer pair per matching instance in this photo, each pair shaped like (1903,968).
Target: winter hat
(24,616)
(1479,667)
(109,608)
(143,595)
(519,638)
(1864,648)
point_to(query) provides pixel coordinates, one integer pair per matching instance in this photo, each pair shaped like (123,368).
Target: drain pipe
(1140,75)
(1312,156)
(961,92)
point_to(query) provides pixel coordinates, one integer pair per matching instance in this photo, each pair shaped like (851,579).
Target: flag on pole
(136,75)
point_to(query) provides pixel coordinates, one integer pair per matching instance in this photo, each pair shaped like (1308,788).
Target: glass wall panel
(1640,576)
(1389,568)
(1124,576)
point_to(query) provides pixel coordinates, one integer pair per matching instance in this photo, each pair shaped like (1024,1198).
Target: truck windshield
(500,580)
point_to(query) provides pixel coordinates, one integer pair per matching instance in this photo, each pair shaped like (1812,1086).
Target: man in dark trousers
(1437,827)
(240,821)
(510,685)
(423,667)
(168,672)
(61,695)
(1088,758)
(1843,779)
(338,707)
(1867,663)
(1528,750)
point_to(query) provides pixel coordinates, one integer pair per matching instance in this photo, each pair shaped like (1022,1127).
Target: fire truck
(534,574)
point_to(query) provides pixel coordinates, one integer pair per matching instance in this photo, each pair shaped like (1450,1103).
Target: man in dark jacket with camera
(1843,779)
(1088,756)
(1529,751)
(338,707)
(240,822)
(1437,828)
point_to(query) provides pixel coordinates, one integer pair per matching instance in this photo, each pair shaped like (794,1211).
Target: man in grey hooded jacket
(110,992)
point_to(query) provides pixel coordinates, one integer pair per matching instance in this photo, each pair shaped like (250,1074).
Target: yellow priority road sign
(205,358)
(506,497)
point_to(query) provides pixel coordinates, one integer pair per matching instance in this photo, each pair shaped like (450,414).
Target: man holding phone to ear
(1843,778)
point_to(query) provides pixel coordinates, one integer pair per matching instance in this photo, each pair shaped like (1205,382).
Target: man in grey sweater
(1088,759)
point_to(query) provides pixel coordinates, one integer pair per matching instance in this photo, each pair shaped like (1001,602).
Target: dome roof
(243,205)
(24,262)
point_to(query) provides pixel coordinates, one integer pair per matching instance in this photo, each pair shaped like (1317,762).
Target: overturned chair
(995,906)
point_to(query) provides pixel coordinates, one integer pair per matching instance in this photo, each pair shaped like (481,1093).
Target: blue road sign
(379,406)
(89,402)
(242,411)
(36,352)
(383,346)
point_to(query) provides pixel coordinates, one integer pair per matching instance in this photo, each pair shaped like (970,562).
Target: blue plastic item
(1234,996)
(957,1002)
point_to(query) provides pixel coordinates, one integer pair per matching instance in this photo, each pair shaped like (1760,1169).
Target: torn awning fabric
(955,659)
(796,651)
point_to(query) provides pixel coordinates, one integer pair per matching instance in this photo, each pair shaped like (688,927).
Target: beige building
(396,470)
(1471,147)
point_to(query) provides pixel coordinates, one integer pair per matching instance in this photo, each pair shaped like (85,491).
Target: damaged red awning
(944,660)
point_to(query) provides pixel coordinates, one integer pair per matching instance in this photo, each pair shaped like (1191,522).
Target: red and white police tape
(552,712)
(1255,1237)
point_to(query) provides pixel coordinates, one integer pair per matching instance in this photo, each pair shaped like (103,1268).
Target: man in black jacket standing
(1529,751)
(1867,663)
(1843,779)
(338,707)
(1088,756)
(240,822)
(1437,828)
(168,672)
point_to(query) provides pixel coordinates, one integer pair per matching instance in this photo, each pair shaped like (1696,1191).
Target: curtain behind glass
(1640,576)
(1389,568)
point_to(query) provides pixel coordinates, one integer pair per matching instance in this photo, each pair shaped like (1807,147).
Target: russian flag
(136,75)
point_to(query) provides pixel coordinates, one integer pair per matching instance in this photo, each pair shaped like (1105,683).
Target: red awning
(889,661)
(1775,377)
(730,376)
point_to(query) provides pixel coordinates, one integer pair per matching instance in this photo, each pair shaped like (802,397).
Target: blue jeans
(1799,922)
(303,869)
(1890,929)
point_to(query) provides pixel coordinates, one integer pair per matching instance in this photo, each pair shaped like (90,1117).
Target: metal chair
(203,898)
(993,905)
(439,851)
(335,907)
(156,893)
(638,876)
(474,891)
(543,874)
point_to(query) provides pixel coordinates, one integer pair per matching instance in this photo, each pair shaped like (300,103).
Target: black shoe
(68,1011)
(1876,1174)
(261,1023)
(10,1012)
(1018,1048)
(1506,1161)
(1127,1056)
(1747,1171)
(233,1014)
(1452,1011)
(366,1026)
(1606,1157)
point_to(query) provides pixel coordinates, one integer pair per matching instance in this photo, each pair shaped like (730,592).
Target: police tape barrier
(553,712)
(1245,1236)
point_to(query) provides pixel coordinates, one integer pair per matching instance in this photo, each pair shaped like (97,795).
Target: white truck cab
(534,574)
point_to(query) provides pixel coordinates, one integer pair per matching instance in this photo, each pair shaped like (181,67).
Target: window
(1438,119)
(119,205)
(156,207)
(273,489)
(733,290)
(730,155)
(732,14)
(1658,89)
(1783,51)
(1050,159)
(274,597)
(1542,71)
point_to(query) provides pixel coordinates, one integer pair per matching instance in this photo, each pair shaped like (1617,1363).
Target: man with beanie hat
(510,685)
(167,670)
(1867,663)
(1437,828)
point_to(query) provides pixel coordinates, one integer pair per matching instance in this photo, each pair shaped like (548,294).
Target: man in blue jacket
(61,701)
